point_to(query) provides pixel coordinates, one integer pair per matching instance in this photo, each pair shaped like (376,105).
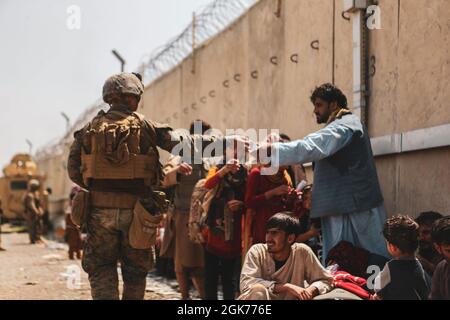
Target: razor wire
(213,19)
(57,147)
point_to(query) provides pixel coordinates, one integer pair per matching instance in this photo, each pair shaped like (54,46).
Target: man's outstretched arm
(314,147)
(197,146)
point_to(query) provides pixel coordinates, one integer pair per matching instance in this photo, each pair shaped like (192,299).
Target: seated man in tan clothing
(279,269)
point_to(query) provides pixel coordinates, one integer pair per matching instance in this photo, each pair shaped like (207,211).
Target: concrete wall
(410,89)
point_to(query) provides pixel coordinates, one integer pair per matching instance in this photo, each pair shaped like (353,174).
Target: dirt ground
(44,272)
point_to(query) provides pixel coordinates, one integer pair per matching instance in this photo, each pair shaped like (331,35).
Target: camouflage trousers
(34,228)
(106,245)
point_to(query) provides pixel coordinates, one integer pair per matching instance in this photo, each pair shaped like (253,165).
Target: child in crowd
(73,233)
(223,232)
(403,278)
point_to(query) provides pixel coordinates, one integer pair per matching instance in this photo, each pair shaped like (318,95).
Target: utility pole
(30,146)
(66,117)
(120,58)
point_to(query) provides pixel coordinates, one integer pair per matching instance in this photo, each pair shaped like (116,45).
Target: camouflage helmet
(120,84)
(34,183)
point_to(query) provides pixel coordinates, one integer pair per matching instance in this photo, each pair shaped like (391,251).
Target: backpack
(200,202)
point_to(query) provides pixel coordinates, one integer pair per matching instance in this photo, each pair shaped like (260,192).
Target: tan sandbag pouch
(142,233)
(80,208)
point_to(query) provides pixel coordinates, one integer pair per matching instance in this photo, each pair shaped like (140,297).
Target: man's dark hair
(49,190)
(330,93)
(284,222)
(402,232)
(285,137)
(440,233)
(205,126)
(428,217)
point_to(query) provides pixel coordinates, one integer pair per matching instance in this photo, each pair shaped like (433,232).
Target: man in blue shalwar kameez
(346,194)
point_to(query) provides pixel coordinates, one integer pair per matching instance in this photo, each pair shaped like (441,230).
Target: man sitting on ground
(278,269)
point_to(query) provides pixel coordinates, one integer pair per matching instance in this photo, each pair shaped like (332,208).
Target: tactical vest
(112,150)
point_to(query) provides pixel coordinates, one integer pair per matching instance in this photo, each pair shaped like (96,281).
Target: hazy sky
(46,69)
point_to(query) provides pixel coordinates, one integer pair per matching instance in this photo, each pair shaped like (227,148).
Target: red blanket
(346,281)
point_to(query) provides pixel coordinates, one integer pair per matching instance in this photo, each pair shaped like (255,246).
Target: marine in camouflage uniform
(113,195)
(33,211)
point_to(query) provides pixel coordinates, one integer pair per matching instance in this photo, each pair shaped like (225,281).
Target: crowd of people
(229,227)
(284,245)
(261,234)
(258,240)
(339,221)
